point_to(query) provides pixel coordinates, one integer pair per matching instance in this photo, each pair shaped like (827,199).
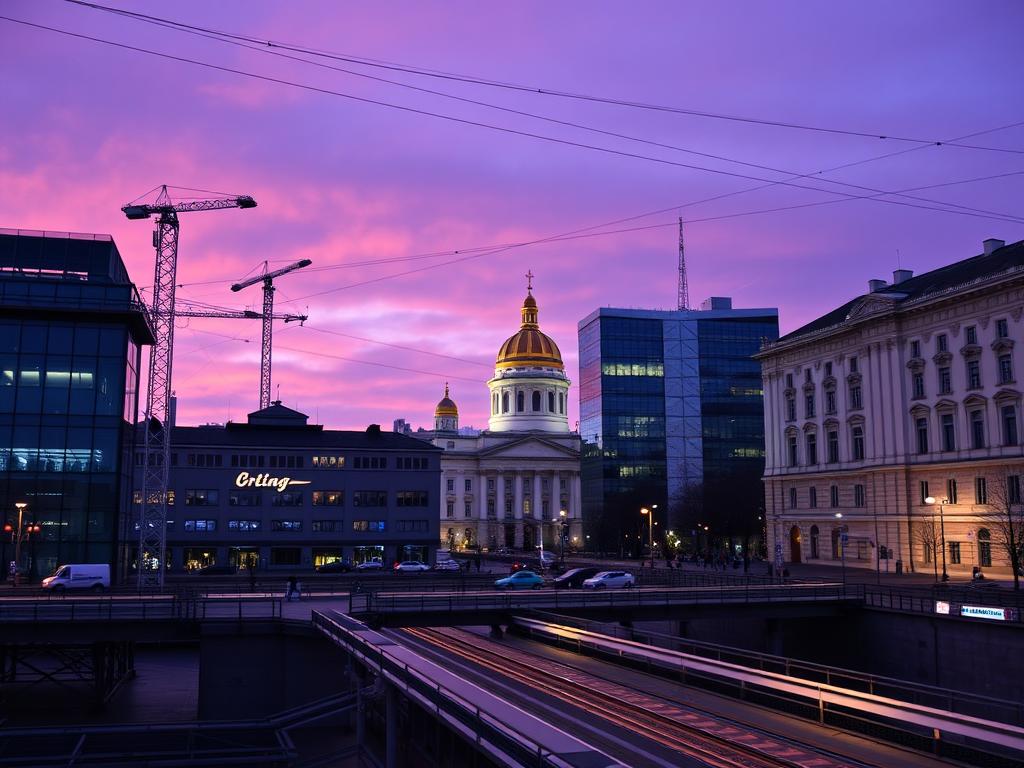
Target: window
(201,497)
(370,462)
(812,448)
(951,490)
(917,384)
(791,440)
(915,348)
(948,433)
(815,533)
(790,409)
(830,401)
(1005,369)
(209,459)
(286,525)
(858,443)
(984,548)
(814,497)
(858,495)
(855,401)
(853,364)
(370,499)
(927,552)
(285,555)
(977,429)
(328,462)
(980,490)
(954,552)
(833,446)
(1002,329)
(201,526)
(828,369)
(561,402)
(1013,488)
(973,374)
(468,510)
(945,382)
(789,381)
(411,499)
(327,526)
(942,343)
(245,499)
(807,375)
(921,426)
(413,526)
(243,525)
(287,499)
(809,406)
(450,509)
(369,525)
(504,402)
(286,462)
(551,402)
(413,462)
(792,498)
(328,498)
(972,334)
(520,402)
(450,484)
(536,401)
(833,495)
(468,485)
(1009,416)
(923,486)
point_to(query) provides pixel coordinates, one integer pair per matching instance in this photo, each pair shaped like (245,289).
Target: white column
(481,497)
(499,501)
(517,496)
(460,484)
(575,499)
(556,492)
(538,496)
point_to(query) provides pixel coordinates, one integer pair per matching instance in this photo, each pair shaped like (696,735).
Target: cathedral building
(517,483)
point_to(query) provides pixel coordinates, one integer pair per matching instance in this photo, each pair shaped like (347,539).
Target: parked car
(370,565)
(574,578)
(609,580)
(92,576)
(447,565)
(218,570)
(411,566)
(335,566)
(520,580)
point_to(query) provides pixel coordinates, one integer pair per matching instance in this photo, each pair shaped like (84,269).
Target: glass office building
(71,328)
(671,415)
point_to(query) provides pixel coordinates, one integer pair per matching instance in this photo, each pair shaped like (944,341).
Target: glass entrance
(244,557)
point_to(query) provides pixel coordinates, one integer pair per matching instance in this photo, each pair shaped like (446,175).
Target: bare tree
(929,536)
(1005,516)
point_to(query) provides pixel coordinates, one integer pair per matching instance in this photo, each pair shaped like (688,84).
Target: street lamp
(562,514)
(930,500)
(649,513)
(842,547)
(17,541)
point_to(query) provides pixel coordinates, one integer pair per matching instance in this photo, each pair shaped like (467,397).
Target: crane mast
(157,428)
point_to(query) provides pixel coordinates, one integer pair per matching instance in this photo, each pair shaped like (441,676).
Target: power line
(528,89)
(466,121)
(398,346)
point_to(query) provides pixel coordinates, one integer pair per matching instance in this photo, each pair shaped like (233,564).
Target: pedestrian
(292,589)
(252,577)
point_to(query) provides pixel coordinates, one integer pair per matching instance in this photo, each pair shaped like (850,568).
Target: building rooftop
(996,260)
(712,309)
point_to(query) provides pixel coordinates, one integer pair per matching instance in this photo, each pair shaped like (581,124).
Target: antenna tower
(684,288)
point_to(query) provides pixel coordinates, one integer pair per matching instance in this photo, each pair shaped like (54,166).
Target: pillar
(460,484)
(482,532)
(517,509)
(391,726)
(556,492)
(499,509)
(538,500)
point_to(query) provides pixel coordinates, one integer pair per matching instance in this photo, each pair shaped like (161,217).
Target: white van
(94,576)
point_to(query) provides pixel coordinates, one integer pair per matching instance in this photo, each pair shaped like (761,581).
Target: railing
(112,608)
(961,702)
(924,600)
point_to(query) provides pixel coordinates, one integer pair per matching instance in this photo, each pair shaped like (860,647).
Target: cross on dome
(529,280)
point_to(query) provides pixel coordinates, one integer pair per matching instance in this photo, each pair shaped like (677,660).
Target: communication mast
(157,432)
(683,299)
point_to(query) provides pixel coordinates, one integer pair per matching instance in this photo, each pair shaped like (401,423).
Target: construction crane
(237,314)
(157,433)
(683,298)
(268,319)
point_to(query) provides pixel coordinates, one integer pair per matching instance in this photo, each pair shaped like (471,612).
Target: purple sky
(85,128)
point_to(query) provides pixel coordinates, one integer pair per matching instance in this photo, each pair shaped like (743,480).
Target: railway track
(715,741)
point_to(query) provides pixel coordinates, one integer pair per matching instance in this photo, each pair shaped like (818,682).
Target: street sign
(845,539)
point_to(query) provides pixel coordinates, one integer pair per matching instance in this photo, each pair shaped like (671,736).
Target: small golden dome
(529,347)
(446,407)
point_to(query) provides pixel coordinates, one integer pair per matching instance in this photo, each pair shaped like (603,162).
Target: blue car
(520,580)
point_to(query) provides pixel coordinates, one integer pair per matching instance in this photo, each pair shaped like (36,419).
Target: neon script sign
(265,480)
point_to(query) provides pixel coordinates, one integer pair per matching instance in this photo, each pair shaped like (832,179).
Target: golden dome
(447,406)
(529,347)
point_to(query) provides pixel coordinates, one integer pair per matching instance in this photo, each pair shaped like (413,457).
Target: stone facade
(906,393)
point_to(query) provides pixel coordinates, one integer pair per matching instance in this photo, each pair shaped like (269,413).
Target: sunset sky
(86,127)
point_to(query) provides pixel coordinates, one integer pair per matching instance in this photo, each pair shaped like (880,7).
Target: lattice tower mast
(683,299)
(157,433)
(267,278)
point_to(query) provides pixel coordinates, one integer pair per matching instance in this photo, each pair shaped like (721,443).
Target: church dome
(446,407)
(529,347)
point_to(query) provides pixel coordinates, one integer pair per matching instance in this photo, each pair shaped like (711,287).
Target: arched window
(814,542)
(561,402)
(520,402)
(551,402)
(536,400)
(836,544)
(984,548)
(504,402)
(494,405)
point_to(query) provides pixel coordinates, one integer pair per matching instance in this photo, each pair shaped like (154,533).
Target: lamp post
(942,529)
(562,514)
(17,540)
(842,547)
(650,519)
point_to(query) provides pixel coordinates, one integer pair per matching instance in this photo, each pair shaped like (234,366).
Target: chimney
(992,244)
(899,275)
(876,285)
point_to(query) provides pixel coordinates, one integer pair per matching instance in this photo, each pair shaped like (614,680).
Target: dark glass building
(671,414)
(71,328)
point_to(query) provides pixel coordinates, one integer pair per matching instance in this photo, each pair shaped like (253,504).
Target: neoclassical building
(509,485)
(896,419)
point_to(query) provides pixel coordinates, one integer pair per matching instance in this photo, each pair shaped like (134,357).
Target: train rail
(714,741)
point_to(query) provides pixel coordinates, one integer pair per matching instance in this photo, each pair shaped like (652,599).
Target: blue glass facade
(71,326)
(671,414)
